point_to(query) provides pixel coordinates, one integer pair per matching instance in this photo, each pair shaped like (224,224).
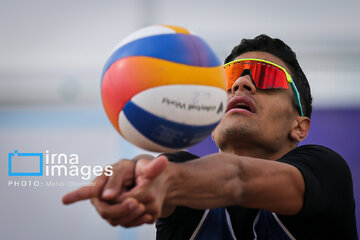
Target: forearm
(224,179)
(209,182)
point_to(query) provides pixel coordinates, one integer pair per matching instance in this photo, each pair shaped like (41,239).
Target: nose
(244,83)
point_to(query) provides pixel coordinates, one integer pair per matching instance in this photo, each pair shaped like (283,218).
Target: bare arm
(217,180)
(225,179)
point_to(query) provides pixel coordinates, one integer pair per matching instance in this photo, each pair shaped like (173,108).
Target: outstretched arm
(224,179)
(216,180)
(220,180)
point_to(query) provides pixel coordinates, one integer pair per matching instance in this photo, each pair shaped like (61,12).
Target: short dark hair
(279,49)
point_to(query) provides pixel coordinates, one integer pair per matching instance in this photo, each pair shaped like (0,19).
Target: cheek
(276,113)
(276,103)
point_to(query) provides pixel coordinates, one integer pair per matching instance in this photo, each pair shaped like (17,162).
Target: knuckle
(103,213)
(121,163)
(156,214)
(94,191)
(115,168)
(113,223)
(150,220)
(150,197)
(137,224)
(126,225)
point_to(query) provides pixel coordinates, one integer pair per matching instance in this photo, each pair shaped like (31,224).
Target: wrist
(172,178)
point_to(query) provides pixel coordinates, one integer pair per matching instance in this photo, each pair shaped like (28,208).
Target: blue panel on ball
(180,48)
(164,132)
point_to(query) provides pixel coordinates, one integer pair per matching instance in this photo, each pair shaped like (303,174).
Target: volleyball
(163,88)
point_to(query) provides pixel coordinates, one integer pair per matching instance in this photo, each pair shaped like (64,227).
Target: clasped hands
(135,193)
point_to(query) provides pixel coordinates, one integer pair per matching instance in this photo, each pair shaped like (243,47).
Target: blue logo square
(16,158)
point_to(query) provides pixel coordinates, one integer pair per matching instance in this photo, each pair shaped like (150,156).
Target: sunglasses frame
(288,76)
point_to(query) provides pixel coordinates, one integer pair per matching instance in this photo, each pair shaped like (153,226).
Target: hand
(127,211)
(106,187)
(151,187)
(106,191)
(142,204)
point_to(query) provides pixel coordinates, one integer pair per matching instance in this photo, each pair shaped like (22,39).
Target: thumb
(155,167)
(145,171)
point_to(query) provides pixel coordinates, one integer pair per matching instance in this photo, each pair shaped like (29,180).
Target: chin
(233,131)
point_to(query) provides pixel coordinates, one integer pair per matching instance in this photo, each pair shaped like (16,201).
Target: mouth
(241,103)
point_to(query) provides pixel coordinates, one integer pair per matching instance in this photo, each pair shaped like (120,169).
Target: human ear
(212,135)
(300,129)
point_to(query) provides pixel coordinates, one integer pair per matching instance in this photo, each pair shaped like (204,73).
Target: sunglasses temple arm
(297,95)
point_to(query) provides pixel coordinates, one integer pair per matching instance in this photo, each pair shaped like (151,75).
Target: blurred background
(51,58)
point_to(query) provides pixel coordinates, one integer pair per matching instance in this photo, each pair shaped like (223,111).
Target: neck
(257,151)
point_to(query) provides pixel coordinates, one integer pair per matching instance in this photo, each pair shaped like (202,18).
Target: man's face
(256,117)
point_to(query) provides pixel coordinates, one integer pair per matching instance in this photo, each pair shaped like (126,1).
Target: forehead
(264,56)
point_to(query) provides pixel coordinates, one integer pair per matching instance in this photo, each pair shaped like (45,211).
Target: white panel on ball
(196,105)
(145,32)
